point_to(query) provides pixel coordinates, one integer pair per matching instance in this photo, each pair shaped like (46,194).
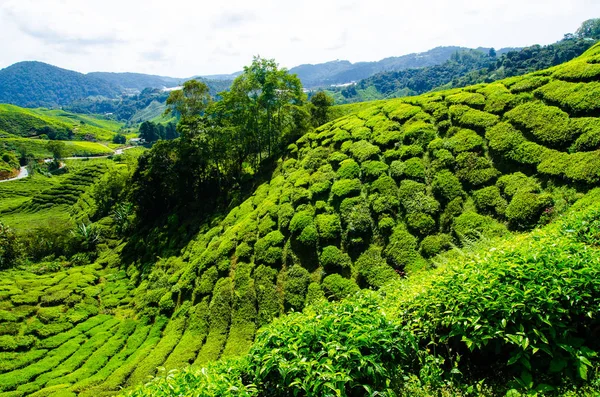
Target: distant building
(137,141)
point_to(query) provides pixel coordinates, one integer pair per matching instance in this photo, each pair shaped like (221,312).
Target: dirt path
(24,173)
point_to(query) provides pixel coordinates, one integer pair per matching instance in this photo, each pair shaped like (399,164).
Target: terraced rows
(364,199)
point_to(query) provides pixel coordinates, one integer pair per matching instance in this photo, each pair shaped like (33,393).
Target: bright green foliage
(336,287)
(525,208)
(472,226)
(349,169)
(489,200)
(334,260)
(579,98)
(548,124)
(432,182)
(475,170)
(268,250)
(447,186)
(295,287)
(402,249)
(435,244)
(414,169)
(363,150)
(372,170)
(328,226)
(465,140)
(345,188)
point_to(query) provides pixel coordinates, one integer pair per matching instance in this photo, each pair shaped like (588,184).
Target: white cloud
(184,38)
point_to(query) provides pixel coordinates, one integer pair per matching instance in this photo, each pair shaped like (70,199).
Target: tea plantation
(431,200)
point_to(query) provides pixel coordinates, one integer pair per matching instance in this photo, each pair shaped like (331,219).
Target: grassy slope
(367,196)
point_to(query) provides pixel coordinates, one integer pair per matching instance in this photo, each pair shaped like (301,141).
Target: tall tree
(321,102)
(589,29)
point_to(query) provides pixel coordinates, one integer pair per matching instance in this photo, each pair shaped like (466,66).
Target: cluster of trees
(37,84)
(152,132)
(472,67)
(127,108)
(222,141)
(8,164)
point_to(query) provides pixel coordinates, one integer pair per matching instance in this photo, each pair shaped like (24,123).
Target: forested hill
(463,68)
(156,279)
(137,81)
(37,84)
(340,72)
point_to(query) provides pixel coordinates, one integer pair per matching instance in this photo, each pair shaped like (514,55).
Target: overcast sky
(184,38)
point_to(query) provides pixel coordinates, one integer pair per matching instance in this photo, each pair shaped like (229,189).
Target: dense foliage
(468,67)
(439,189)
(342,72)
(36,84)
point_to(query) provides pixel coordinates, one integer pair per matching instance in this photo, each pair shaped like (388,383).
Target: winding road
(24,173)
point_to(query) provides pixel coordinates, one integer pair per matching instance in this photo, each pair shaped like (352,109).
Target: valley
(442,243)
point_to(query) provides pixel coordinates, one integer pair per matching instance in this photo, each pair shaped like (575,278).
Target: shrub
(363,151)
(372,170)
(498,98)
(10,249)
(589,128)
(295,287)
(465,140)
(471,118)
(243,252)
(446,186)
(301,220)
(329,226)
(419,133)
(397,169)
(345,188)
(362,349)
(472,226)
(578,98)
(487,306)
(401,250)
(435,244)
(525,208)
(512,183)
(401,112)
(548,124)
(420,224)
(578,70)
(467,98)
(443,159)
(528,83)
(284,215)
(414,198)
(349,169)
(488,200)
(475,170)
(372,269)
(333,260)
(337,287)
(268,250)
(584,167)
(267,297)
(336,158)
(414,169)
(386,225)
(503,137)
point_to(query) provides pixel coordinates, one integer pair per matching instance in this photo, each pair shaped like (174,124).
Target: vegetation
(445,244)
(466,67)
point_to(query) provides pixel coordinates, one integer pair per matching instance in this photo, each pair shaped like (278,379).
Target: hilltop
(362,201)
(37,84)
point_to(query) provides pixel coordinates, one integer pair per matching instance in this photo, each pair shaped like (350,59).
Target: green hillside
(466,67)
(430,199)
(35,84)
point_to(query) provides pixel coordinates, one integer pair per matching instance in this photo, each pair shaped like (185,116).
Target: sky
(186,38)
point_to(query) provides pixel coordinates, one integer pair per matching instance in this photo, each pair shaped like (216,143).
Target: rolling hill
(361,203)
(341,72)
(465,67)
(37,84)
